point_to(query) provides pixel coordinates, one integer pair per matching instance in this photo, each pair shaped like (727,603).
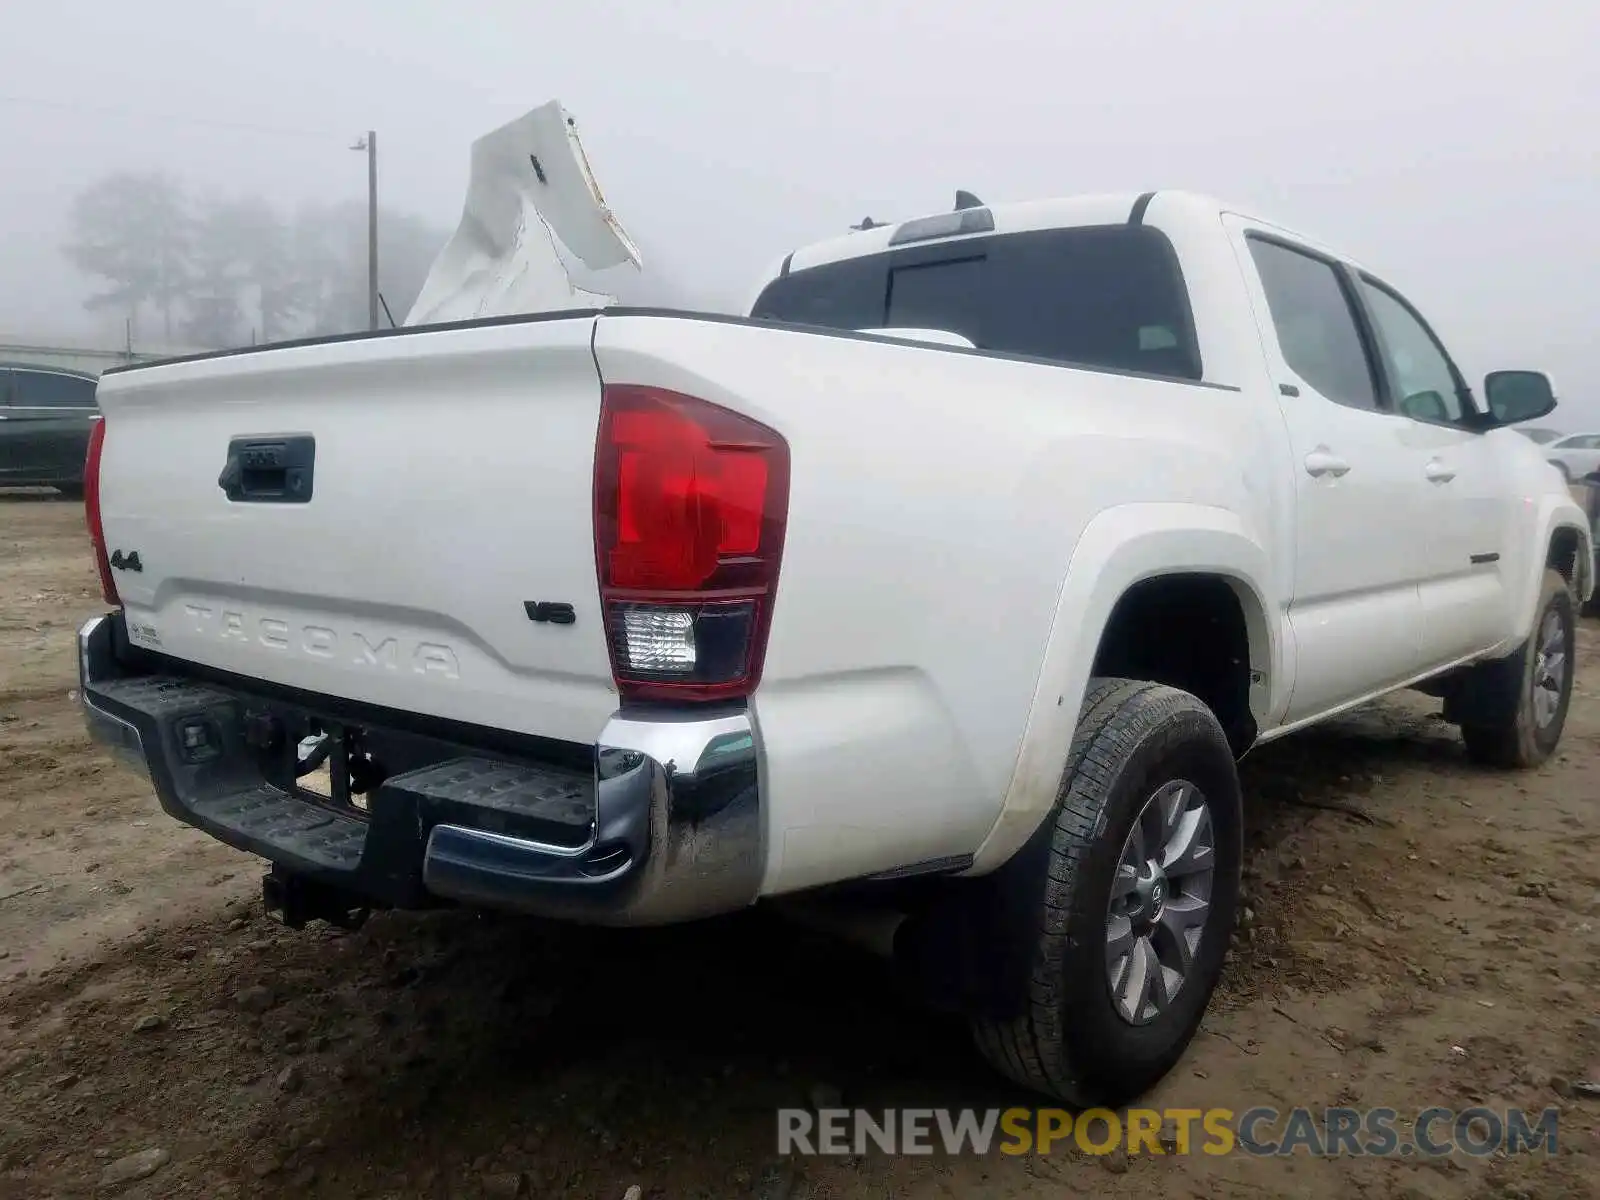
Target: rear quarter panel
(937,498)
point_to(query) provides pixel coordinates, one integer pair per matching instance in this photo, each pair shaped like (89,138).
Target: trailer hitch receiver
(295,900)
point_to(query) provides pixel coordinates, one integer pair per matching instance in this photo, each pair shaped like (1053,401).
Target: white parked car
(1576,455)
(638,616)
(1538,434)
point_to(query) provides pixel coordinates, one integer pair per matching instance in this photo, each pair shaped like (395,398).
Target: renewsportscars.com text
(1329,1132)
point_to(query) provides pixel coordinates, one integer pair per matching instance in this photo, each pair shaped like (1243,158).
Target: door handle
(1437,472)
(1322,462)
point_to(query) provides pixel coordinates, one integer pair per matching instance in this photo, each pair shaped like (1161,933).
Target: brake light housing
(690,505)
(91,510)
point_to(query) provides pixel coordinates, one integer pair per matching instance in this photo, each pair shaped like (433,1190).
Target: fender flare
(1121,547)
(1553,519)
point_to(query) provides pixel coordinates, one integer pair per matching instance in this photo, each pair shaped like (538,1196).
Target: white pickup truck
(629,616)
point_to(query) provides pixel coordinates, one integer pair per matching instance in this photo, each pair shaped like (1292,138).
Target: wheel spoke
(1160,991)
(1544,706)
(1164,983)
(1184,913)
(1125,881)
(1171,802)
(1555,666)
(1181,922)
(1553,637)
(1189,849)
(1175,938)
(1152,833)
(1135,990)
(1133,854)
(1119,941)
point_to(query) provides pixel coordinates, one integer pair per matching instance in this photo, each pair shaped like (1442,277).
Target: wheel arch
(1124,552)
(1566,544)
(1569,552)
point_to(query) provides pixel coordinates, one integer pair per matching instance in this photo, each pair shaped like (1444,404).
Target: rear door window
(1315,323)
(1098,296)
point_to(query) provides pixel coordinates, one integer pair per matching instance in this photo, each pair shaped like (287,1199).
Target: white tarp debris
(530,194)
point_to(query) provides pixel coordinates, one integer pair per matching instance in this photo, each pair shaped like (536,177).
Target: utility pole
(370,145)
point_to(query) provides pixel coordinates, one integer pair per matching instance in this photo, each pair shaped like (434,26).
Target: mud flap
(1487,693)
(969,951)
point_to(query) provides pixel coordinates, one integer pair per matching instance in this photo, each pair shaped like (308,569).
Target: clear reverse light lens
(658,639)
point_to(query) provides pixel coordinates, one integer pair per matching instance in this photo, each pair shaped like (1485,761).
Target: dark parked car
(45,414)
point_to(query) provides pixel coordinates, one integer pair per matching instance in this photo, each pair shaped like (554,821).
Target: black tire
(1069,1041)
(1518,738)
(70,491)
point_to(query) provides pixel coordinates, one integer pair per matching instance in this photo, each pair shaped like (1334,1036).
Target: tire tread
(1512,744)
(1030,1048)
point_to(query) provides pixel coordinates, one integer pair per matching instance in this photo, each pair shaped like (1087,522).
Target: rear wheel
(1131,902)
(1535,686)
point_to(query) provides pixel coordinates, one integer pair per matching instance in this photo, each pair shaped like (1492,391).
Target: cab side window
(1425,384)
(1315,324)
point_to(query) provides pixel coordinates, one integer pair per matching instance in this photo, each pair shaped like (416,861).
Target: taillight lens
(690,502)
(91,509)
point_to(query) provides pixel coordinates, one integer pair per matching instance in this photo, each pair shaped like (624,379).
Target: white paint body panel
(530,191)
(961,527)
(453,482)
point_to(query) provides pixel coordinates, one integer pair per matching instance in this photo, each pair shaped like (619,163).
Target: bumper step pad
(379,853)
(549,803)
(265,816)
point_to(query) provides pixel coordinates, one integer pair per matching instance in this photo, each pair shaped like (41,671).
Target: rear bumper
(658,822)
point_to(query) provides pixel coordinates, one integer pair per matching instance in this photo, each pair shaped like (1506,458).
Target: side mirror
(1515,396)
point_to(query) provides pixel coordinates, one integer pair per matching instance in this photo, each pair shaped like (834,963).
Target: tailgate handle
(269,470)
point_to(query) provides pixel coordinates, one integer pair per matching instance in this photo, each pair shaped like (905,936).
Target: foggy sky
(1449,147)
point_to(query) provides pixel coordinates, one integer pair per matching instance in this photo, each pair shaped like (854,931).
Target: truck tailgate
(444,492)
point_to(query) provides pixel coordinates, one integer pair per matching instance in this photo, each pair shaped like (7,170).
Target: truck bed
(935,500)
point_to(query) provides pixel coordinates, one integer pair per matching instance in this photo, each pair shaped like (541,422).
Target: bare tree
(132,229)
(332,247)
(222,266)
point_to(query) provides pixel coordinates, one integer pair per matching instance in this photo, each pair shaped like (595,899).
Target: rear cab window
(1106,296)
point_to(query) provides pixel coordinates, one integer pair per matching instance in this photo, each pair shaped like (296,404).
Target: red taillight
(690,502)
(91,509)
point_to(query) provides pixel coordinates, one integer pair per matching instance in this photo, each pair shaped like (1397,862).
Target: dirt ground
(1442,952)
